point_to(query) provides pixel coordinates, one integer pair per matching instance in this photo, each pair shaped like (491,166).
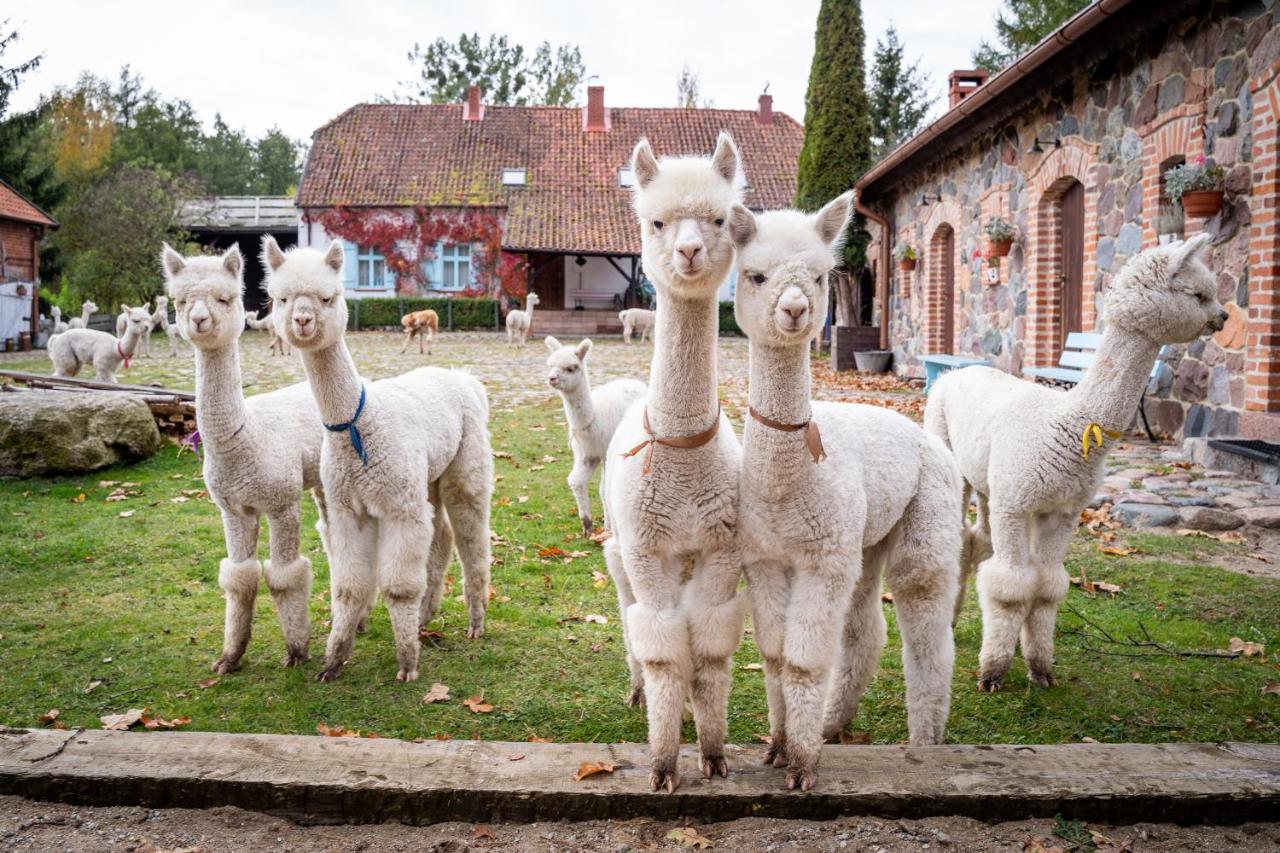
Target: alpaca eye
(818,280)
(758,278)
(224,301)
(327,300)
(571,368)
(283,301)
(657,225)
(719,223)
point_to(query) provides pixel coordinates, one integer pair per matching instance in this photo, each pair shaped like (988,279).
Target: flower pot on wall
(999,248)
(907,264)
(1202,203)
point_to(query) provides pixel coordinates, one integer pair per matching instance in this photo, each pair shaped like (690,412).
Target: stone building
(1069,144)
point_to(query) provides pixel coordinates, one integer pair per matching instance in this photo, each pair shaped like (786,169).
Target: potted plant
(906,257)
(1197,185)
(1000,236)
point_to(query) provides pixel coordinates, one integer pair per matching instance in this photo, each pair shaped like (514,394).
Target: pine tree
(1020,26)
(899,93)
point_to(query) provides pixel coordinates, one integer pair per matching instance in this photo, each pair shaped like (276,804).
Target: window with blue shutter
(349,251)
(452,268)
(371,270)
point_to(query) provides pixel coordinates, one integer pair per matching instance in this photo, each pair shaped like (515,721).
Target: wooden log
(327,779)
(37,380)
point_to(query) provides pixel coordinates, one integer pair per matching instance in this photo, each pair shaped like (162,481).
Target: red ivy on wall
(407,240)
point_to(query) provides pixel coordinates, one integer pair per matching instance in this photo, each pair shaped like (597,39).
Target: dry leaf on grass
(600,535)
(599,580)
(501,454)
(687,836)
(596,618)
(855,738)
(438,693)
(591,768)
(1118,550)
(49,716)
(120,722)
(159,722)
(1229,536)
(93,685)
(1235,644)
(551,551)
(128,513)
(887,597)
(477,705)
(1260,557)
(207,683)
(1271,688)
(79,499)
(752,667)
(483,832)
(1036,845)
(336,731)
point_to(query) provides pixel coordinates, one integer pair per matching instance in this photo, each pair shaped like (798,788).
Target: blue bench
(1078,355)
(936,365)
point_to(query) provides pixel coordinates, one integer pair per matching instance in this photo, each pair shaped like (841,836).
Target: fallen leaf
(501,454)
(551,551)
(159,722)
(599,580)
(438,693)
(591,768)
(752,667)
(93,685)
(1036,846)
(1087,739)
(855,738)
(515,756)
(886,596)
(128,513)
(596,618)
(1103,586)
(600,536)
(537,428)
(537,467)
(482,832)
(522,499)
(207,683)
(1271,688)
(120,722)
(1260,557)
(49,716)
(1235,644)
(687,836)
(180,499)
(547,460)
(1118,551)
(477,705)
(1136,676)
(107,484)
(79,499)
(764,738)
(335,731)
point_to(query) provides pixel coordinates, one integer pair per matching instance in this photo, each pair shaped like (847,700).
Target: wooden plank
(39,380)
(358,780)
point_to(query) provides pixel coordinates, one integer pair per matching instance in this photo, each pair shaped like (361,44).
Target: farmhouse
(470,198)
(22,227)
(1069,145)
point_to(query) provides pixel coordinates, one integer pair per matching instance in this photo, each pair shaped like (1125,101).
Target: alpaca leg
(579,484)
(431,338)
(1006,586)
(353,582)
(626,598)
(976,545)
(769,589)
(408,337)
(863,642)
(467,490)
(289,580)
(923,586)
(238,577)
(438,561)
(715,612)
(1053,538)
(404,547)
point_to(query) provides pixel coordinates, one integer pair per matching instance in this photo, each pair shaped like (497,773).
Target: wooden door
(548,281)
(949,292)
(1072,260)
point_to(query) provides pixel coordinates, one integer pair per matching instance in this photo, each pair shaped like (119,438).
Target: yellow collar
(1095,433)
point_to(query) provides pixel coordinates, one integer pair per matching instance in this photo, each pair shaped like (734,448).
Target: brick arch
(947,211)
(1175,134)
(1262,389)
(940,289)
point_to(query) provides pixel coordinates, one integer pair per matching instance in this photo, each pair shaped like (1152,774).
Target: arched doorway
(941,305)
(1071,209)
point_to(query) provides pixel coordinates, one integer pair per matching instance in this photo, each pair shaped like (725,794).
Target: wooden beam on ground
(38,380)
(353,780)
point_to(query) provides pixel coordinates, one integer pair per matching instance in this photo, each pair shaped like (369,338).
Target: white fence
(15,310)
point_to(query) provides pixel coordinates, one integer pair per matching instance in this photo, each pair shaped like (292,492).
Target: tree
(129,96)
(227,161)
(899,95)
(689,89)
(505,72)
(1020,26)
(837,129)
(277,159)
(11,74)
(81,129)
(164,134)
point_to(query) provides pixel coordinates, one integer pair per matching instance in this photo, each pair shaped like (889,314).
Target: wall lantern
(926,199)
(1037,142)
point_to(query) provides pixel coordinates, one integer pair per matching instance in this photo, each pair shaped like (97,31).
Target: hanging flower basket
(906,264)
(22,290)
(999,248)
(1202,203)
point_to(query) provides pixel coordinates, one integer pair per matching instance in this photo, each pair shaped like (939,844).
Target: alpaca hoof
(713,765)
(991,683)
(475,632)
(660,778)
(587,527)
(407,675)
(1042,678)
(799,780)
(776,755)
(295,658)
(636,699)
(329,673)
(226,664)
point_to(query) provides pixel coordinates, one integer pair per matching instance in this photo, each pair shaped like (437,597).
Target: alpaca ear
(833,220)
(552,343)
(643,164)
(332,256)
(171,261)
(725,160)
(742,225)
(124,309)
(233,261)
(583,348)
(1186,251)
(271,254)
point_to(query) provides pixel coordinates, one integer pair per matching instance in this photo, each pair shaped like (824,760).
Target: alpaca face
(783,264)
(532,299)
(89,307)
(56,312)
(308,309)
(139,319)
(1167,294)
(567,366)
(684,207)
(206,296)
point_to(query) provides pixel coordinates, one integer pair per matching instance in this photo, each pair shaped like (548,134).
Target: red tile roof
(398,155)
(14,205)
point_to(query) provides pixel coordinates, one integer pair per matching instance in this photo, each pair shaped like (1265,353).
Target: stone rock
(1147,110)
(1228,118)
(1219,387)
(1233,501)
(1190,500)
(1197,422)
(1191,381)
(1196,348)
(1130,240)
(1137,496)
(1205,518)
(56,432)
(1133,201)
(1172,482)
(1105,254)
(1260,516)
(1232,334)
(1130,145)
(1173,92)
(1219,474)
(1148,515)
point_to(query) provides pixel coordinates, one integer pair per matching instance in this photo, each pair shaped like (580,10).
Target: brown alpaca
(420,324)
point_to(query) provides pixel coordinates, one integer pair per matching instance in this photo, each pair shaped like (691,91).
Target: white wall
(597,274)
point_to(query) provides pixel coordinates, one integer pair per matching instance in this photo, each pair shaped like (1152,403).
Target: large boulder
(57,432)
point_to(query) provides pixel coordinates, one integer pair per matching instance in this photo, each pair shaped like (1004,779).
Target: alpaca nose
(1223,315)
(302,321)
(552,380)
(690,251)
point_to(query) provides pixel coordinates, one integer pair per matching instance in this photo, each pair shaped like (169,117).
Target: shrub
(728,325)
(1193,177)
(999,231)
(386,311)
(905,252)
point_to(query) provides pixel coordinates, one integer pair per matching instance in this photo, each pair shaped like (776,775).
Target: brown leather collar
(684,441)
(812,438)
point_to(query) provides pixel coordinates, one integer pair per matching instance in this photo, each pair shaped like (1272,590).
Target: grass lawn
(133,602)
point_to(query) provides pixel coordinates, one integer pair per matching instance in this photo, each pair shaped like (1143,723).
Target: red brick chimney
(473,110)
(964,83)
(764,114)
(596,117)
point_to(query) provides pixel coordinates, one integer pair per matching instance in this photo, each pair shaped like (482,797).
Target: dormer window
(626,177)
(514,177)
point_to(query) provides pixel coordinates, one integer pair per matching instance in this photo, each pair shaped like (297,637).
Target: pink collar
(122,355)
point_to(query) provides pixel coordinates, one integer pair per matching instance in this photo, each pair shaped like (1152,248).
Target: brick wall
(20,251)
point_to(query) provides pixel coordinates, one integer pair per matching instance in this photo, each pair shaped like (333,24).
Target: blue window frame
(453,267)
(371,270)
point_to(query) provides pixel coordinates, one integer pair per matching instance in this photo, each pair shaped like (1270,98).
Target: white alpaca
(76,348)
(403,459)
(1035,455)
(671,487)
(520,323)
(57,326)
(593,415)
(87,310)
(160,319)
(634,319)
(259,454)
(818,534)
(279,346)
(144,342)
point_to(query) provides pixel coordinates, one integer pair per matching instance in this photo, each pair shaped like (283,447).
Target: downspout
(882,277)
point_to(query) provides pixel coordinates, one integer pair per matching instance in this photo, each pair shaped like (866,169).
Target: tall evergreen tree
(899,93)
(837,127)
(277,160)
(507,73)
(11,71)
(1020,26)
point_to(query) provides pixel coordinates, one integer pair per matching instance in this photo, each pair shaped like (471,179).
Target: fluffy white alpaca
(1035,455)
(593,415)
(636,319)
(819,533)
(87,310)
(671,487)
(279,346)
(57,326)
(403,459)
(259,454)
(520,323)
(122,321)
(76,348)
(160,320)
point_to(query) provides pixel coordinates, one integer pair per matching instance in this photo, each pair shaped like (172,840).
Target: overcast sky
(298,64)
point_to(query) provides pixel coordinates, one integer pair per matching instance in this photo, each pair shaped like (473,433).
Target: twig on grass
(1158,649)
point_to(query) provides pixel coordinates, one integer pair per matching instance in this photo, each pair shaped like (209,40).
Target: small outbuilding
(23,226)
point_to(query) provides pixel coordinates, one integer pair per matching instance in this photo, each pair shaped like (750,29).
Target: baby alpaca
(76,348)
(520,323)
(160,319)
(636,319)
(1036,455)
(671,487)
(821,527)
(259,455)
(593,415)
(122,320)
(57,326)
(87,310)
(279,346)
(422,324)
(403,459)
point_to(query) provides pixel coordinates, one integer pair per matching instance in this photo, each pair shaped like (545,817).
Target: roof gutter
(884,267)
(1069,33)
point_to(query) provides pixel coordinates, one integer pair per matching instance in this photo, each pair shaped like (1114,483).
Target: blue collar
(357,442)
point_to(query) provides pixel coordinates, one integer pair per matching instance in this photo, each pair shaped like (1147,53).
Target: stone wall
(1205,85)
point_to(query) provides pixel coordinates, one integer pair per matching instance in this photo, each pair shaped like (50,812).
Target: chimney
(964,83)
(597,117)
(764,115)
(473,110)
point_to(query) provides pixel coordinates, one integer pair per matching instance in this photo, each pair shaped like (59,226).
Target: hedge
(377,311)
(728,325)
